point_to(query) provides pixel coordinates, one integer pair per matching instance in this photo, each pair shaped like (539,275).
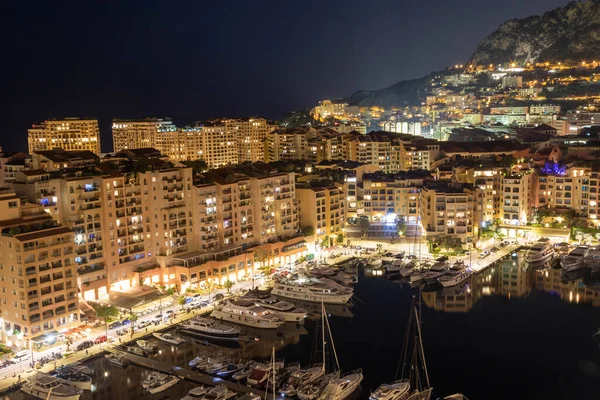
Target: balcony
(90,269)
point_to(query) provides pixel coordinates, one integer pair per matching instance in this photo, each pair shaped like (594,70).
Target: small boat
(398,390)
(157,382)
(409,268)
(313,390)
(196,393)
(395,266)
(75,379)
(244,372)
(229,370)
(169,338)
(117,360)
(300,378)
(454,278)
(261,373)
(136,351)
(249,396)
(457,396)
(76,367)
(147,346)
(575,259)
(540,252)
(219,393)
(341,388)
(208,328)
(48,387)
(435,272)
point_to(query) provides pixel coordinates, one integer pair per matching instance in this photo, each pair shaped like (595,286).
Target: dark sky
(197,59)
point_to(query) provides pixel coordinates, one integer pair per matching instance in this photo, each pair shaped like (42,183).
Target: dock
(186,374)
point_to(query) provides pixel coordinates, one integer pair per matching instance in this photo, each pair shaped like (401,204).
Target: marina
(489,302)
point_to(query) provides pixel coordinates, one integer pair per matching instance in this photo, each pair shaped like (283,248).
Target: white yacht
(312,290)
(219,393)
(208,328)
(341,388)
(436,270)
(312,391)
(196,393)
(147,346)
(245,312)
(542,251)
(157,382)
(398,390)
(286,310)
(168,338)
(300,378)
(261,373)
(409,268)
(117,360)
(49,387)
(76,380)
(575,259)
(454,277)
(395,266)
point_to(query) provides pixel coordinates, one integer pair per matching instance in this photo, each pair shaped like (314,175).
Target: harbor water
(512,332)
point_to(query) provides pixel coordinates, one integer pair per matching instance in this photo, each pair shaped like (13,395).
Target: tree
(198,166)
(69,341)
(339,239)
(325,242)
(228,285)
(308,231)
(262,255)
(132,317)
(170,291)
(364,224)
(181,300)
(106,313)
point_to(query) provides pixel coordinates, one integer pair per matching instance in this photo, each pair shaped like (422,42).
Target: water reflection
(513,277)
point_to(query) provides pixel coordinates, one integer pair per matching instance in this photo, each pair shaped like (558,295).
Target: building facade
(70,134)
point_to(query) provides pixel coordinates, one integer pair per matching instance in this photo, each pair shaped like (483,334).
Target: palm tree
(69,341)
(262,255)
(181,300)
(106,313)
(132,317)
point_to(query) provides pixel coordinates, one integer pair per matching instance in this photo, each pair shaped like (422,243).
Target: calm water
(512,333)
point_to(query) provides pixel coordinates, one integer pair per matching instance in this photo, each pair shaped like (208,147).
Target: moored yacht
(311,391)
(300,378)
(117,360)
(168,338)
(157,382)
(76,380)
(454,277)
(398,390)
(341,388)
(575,259)
(312,290)
(286,310)
(245,312)
(196,393)
(49,387)
(409,268)
(435,272)
(542,251)
(208,328)
(261,373)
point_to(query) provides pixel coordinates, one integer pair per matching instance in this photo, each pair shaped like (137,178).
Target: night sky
(191,60)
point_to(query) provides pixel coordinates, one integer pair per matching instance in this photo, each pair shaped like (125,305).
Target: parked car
(205,303)
(20,356)
(218,296)
(143,324)
(84,345)
(494,250)
(5,363)
(484,254)
(114,325)
(442,259)
(197,296)
(158,317)
(169,313)
(100,339)
(125,322)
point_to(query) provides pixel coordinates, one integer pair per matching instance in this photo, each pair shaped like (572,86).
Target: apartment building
(71,134)
(488,180)
(322,209)
(448,208)
(251,133)
(38,273)
(58,159)
(138,133)
(329,108)
(390,196)
(518,199)
(544,109)
(10,164)
(288,144)
(220,144)
(181,144)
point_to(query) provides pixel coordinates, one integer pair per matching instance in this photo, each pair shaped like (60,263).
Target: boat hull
(41,395)
(245,320)
(164,387)
(209,335)
(313,298)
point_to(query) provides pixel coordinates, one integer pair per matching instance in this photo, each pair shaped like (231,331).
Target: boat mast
(273,367)
(422,350)
(337,363)
(323,332)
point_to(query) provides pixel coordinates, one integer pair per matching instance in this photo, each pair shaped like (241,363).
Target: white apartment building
(138,134)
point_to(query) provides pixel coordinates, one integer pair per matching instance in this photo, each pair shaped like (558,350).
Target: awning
(46,337)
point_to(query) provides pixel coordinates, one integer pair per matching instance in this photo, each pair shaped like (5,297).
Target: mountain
(571,33)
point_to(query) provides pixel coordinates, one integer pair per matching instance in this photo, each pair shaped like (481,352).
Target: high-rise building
(219,144)
(322,209)
(517,191)
(251,133)
(38,272)
(71,134)
(138,134)
(181,144)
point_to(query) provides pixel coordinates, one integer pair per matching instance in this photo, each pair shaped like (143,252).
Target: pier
(187,374)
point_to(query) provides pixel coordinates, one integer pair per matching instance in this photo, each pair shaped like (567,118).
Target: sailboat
(313,389)
(414,383)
